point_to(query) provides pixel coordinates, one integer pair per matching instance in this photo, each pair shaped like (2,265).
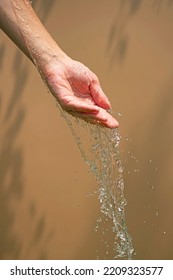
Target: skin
(75,87)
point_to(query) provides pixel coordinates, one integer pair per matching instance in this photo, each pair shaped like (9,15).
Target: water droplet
(128,139)
(119,114)
(96,228)
(136,170)
(120,169)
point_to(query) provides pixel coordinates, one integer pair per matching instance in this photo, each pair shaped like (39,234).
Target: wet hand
(78,91)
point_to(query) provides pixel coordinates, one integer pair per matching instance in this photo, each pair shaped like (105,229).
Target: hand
(78,91)
(74,86)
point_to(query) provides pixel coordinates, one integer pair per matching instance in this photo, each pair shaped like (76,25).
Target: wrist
(51,60)
(46,55)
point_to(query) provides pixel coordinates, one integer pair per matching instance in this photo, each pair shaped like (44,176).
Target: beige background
(45,211)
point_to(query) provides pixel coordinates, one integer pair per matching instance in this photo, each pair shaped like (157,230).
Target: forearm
(9,24)
(19,21)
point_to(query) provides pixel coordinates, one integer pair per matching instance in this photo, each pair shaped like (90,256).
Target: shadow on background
(2,53)
(118,39)
(12,183)
(158,4)
(43,8)
(11,176)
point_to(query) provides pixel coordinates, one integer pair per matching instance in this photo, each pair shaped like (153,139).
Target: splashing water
(99,148)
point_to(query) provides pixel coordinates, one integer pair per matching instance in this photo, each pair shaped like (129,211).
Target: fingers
(109,120)
(77,105)
(111,123)
(89,112)
(101,117)
(98,95)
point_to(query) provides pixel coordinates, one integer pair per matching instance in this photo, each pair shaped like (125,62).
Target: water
(99,147)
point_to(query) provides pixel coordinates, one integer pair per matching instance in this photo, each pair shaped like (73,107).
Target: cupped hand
(78,91)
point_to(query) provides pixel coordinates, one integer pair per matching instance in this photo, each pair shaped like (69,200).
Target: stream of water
(99,147)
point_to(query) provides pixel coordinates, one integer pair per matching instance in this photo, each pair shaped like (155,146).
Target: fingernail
(109,103)
(116,123)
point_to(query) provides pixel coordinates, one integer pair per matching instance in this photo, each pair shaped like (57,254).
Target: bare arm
(75,87)
(9,25)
